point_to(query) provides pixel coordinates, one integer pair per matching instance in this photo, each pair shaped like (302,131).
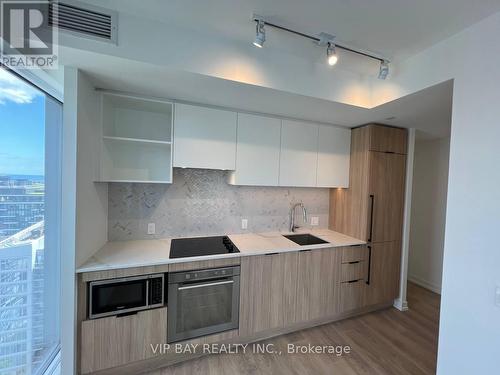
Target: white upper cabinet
(299,154)
(142,139)
(204,138)
(334,151)
(257,151)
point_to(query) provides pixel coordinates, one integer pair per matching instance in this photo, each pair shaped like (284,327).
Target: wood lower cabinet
(373,279)
(353,253)
(267,292)
(383,283)
(290,266)
(279,290)
(116,341)
(353,271)
(318,282)
(352,295)
(354,274)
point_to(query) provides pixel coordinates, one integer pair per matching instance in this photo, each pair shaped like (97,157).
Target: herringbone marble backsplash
(200,202)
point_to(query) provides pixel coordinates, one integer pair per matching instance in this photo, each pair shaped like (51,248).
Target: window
(30,141)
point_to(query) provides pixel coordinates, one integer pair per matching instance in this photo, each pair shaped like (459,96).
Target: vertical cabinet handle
(372,198)
(369,264)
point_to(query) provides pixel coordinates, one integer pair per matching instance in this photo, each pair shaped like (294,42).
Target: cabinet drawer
(116,341)
(351,295)
(353,254)
(353,271)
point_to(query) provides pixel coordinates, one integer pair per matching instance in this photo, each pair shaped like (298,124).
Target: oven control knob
(188,276)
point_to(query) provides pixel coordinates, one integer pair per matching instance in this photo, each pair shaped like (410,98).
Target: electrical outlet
(244,223)
(314,220)
(497,296)
(151,228)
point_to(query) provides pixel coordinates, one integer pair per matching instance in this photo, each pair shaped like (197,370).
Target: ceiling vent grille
(84,20)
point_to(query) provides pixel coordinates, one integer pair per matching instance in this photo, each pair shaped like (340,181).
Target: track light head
(323,40)
(331,54)
(384,69)
(260,34)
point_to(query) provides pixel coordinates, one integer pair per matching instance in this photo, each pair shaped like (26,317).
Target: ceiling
(428,110)
(395,29)
(392,28)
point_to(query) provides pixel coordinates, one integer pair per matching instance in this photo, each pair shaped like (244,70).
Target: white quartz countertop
(141,253)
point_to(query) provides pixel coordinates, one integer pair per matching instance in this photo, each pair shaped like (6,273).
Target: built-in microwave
(125,295)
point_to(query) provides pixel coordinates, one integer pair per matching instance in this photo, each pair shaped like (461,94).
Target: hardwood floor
(383,342)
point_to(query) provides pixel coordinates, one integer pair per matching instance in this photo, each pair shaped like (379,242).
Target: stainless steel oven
(202,302)
(125,295)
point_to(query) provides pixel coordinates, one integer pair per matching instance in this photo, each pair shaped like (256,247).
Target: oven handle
(205,285)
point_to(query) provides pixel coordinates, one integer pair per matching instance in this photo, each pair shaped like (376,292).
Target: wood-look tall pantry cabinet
(372,209)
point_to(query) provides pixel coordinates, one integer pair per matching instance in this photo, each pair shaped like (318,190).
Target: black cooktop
(201,246)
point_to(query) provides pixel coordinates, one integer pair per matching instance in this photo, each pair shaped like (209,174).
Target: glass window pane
(30,126)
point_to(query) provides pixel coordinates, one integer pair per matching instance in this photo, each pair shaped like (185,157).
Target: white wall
(428,216)
(469,336)
(84,204)
(92,198)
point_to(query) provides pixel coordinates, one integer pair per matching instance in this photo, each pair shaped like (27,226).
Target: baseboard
(400,304)
(425,284)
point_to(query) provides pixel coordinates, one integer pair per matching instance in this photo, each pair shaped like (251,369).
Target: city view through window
(29,259)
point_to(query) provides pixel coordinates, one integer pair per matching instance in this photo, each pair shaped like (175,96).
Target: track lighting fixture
(331,54)
(384,69)
(260,34)
(321,40)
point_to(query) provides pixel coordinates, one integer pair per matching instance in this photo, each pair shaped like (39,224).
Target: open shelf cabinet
(136,139)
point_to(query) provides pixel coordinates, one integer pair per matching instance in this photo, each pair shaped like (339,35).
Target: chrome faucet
(292,215)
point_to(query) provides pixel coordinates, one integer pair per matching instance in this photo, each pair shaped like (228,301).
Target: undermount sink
(305,239)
